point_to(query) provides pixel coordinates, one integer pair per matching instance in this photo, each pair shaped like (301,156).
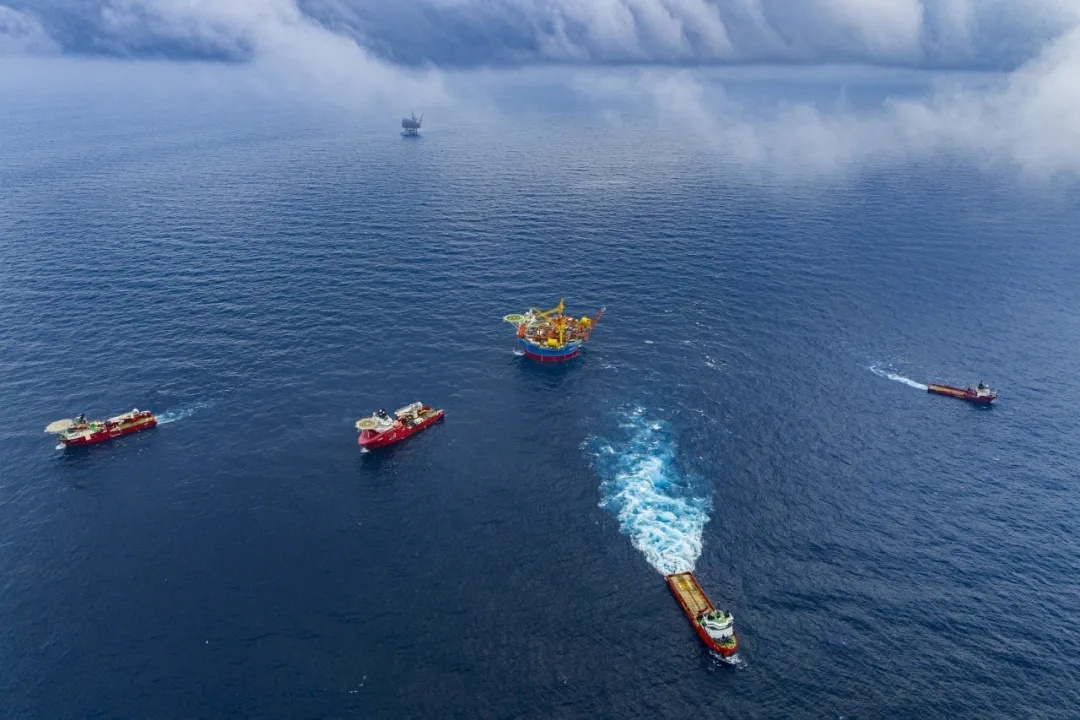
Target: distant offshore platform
(411,125)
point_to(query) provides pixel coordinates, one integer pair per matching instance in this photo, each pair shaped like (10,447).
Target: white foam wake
(655,505)
(898,378)
(180,413)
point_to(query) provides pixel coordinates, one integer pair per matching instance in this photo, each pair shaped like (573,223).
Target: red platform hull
(110,431)
(969,394)
(370,439)
(552,358)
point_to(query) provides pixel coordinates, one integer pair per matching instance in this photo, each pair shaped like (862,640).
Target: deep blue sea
(261,275)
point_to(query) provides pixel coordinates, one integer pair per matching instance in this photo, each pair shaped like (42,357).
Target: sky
(1021,108)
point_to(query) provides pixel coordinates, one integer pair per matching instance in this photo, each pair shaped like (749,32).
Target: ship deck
(693,598)
(947,390)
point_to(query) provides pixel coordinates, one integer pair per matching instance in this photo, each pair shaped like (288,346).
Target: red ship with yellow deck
(716,628)
(981,395)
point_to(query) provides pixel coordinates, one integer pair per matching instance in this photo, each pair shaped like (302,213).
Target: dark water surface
(262,279)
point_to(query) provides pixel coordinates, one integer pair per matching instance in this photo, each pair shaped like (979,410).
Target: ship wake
(655,504)
(888,375)
(180,413)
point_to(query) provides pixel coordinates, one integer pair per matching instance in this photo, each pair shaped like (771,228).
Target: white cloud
(21,33)
(609,24)
(281,39)
(472,33)
(952,25)
(908,32)
(1028,119)
(702,20)
(889,29)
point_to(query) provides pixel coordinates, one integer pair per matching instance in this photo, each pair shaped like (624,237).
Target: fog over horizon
(667,57)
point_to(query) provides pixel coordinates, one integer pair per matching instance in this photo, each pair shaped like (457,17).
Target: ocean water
(752,406)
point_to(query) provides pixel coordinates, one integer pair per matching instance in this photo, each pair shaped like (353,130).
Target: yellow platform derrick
(544,314)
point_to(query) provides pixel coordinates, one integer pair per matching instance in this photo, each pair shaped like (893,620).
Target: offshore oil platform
(551,335)
(411,125)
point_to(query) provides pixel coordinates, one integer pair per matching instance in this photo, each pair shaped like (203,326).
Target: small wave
(603,183)
(653,502)
(898,378)
(181,413)
(519,353)
(734,660)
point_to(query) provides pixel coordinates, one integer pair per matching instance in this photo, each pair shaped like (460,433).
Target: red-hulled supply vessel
(716,628)
(384,429)
(980,394)
(80,431)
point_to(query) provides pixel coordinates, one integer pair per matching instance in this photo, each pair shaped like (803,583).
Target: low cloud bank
(984,34)
(362,56)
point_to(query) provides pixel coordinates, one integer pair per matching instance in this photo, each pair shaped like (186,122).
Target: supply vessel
(381,428)
(80,431)
(550,335)
(716,628)
(980,394)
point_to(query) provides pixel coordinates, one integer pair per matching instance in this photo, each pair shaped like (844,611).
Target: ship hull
(110,433)
(370,440)
(962,394)
(540,353)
